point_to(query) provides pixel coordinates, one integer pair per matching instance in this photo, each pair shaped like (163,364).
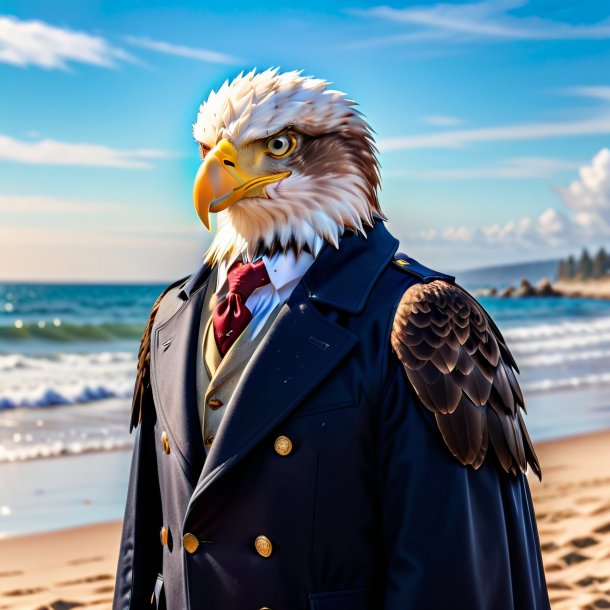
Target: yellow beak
(220,182)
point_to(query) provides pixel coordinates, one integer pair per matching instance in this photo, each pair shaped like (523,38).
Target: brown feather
(462,370)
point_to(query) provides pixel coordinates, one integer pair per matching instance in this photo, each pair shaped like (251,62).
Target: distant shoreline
(595,289)
(598,288)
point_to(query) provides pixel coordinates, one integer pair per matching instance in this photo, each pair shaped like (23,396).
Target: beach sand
(60,570)
(75,568)
(588,289)
(573,509)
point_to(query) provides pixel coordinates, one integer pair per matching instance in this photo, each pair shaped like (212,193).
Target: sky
(492,119)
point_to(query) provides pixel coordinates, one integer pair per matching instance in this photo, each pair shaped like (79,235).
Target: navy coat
(369,511)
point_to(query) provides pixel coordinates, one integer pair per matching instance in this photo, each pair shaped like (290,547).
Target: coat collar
(342,277)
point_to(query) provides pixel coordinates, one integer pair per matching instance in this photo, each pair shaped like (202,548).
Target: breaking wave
(65,332)
(65,379)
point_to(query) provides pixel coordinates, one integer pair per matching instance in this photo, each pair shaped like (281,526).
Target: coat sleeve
(140,554)
(453,537)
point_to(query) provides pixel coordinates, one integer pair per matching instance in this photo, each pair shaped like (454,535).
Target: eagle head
(286,161)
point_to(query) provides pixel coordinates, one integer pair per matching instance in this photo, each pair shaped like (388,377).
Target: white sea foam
(62,379)
(561,337)
(574,382)
(564,328)
(562,358)
(56,448)
(27,434)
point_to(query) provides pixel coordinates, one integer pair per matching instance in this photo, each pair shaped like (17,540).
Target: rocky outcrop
(543,288)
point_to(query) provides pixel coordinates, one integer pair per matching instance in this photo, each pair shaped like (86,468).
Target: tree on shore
(584,267)
(600,263)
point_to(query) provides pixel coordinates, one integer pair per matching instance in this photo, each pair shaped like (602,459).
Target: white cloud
(35,43)
(479,21)
(595,126)
(441,120)
(182,51)
(514,231)
(459,234)
(518,168)
(52,152)
(586,217)
(553,226)
(591,193)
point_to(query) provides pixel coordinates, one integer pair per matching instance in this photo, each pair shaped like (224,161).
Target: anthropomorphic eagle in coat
(323,423)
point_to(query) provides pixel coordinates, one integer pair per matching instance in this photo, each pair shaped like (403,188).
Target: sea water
(67,368)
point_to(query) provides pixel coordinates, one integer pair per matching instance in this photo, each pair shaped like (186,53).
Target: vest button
(263,546)
(209,440)
(190,542)
(215,403)
(164,536)
(283,446)
(165,442)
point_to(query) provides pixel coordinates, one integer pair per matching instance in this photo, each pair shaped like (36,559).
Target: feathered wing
(460,367)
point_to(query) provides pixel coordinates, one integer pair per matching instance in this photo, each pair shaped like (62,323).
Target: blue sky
(493,120)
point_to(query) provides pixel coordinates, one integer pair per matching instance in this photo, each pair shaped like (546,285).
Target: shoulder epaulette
(421,272)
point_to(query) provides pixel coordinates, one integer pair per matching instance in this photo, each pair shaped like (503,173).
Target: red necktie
(231,316)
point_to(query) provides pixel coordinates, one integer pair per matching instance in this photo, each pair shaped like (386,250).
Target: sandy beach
(573,509)
(61,570)
(587,289)
(75,568)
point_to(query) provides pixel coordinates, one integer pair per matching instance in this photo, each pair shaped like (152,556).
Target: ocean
(67,368)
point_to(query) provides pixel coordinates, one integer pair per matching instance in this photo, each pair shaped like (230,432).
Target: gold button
(214,403)
(190,542)
(283,445)
(263,546)
(163,536)
(209,440)
(165,442)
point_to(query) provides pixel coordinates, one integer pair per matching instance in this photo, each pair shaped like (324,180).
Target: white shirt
(285,272)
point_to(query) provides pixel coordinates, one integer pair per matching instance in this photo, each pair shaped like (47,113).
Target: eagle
(287,161)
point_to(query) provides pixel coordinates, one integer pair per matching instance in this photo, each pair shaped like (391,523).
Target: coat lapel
(173,362)
(300,350)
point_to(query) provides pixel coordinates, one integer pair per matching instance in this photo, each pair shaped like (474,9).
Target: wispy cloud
(168,48)
(36,43)
(518,168)
(440,120)
(599,92)
(479,21)
(53,152)
(597,125)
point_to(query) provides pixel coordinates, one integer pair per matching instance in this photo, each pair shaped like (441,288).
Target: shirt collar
(283,268)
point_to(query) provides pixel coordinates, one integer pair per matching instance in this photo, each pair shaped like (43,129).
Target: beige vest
(217,377)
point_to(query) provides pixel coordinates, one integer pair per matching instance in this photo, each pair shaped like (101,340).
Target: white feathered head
(285,160)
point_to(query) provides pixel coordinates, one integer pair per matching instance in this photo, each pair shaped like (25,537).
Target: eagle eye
(281,146)
(203,150)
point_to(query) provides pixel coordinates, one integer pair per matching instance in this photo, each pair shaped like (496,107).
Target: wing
(458,363)
(142,385)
